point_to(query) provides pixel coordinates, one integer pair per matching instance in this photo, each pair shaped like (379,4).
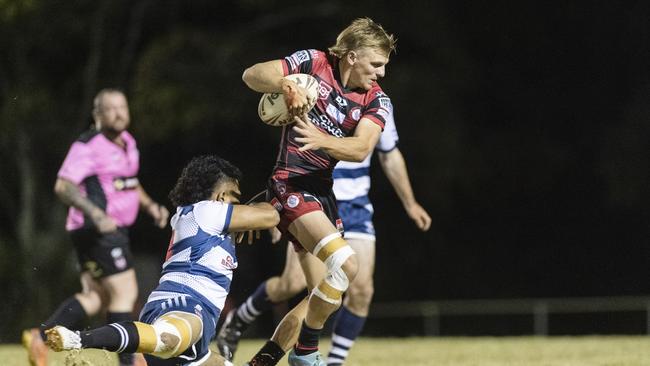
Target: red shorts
(293,201)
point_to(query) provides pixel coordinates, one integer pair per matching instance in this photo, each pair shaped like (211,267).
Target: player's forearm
(254,216)
(70,194)
(353,149)
(394,167)
(265,77)
(145,200)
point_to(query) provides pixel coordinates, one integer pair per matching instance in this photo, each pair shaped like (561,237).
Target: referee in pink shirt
(99,181)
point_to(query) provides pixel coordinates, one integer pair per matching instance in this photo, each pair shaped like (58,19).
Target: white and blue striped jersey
(352,184)
(201,255)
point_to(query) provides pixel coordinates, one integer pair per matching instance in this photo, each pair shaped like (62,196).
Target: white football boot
(62,339)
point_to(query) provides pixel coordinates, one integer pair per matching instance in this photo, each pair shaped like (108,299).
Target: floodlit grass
(508,351)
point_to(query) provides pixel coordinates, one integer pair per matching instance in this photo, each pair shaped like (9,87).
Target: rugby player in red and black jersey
(345,124)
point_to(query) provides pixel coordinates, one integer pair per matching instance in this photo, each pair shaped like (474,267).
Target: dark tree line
(524,128)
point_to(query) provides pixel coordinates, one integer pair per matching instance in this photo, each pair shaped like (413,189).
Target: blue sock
(347,328)
(257,303)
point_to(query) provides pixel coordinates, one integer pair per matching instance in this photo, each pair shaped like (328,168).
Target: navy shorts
(357,217)
(155,309)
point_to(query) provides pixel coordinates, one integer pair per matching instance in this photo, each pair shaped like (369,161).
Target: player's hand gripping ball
(273,110)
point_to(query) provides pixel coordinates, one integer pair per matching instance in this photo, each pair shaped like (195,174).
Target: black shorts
(102,255)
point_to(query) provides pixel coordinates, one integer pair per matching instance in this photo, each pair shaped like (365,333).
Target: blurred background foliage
(524,125)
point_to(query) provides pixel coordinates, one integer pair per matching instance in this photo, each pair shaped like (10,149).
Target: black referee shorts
(102,254)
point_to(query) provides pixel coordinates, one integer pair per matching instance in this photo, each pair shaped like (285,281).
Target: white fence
(431,311)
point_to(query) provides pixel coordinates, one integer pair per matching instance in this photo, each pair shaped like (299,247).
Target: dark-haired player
(178,321)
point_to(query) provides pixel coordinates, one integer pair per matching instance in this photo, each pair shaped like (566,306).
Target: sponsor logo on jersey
(297,58)
(327,124)
(324,90)
(385,103)
(341,101)
(333,112)
(355,113)
(380,94)
(228,262)
(124,183)
(293,201)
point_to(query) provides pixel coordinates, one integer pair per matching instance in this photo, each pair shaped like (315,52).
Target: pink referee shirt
(106,174)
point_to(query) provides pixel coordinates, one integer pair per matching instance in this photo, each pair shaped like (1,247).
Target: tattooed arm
(70,194)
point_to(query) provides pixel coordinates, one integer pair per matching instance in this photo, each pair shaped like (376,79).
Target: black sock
(115,337)
(125,358)
(69,314)
(269,355)
(307,340)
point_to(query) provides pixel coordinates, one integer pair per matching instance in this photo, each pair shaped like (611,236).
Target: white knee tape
(336,277)
(324,242)
(165,325)
(162,350)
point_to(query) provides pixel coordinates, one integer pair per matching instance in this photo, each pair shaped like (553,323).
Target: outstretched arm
(70,194)
(254,216)
(394,166)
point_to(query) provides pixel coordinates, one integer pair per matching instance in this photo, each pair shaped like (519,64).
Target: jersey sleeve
(213,217)
(389,138)
(78,164)
(378,109)
(301,62)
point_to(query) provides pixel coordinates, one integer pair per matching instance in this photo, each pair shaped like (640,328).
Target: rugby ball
(273,110)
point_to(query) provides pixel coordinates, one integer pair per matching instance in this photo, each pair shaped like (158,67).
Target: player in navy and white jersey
(179,319)
(351,187)
(345,124)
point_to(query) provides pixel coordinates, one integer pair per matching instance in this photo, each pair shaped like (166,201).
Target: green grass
(524,351)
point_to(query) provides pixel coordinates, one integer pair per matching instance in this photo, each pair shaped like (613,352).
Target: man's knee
(170,335)
(351,267)
(90,301)
(342,267)
(122,290)
(290,284)
(285,287)
(123,300)
(359,296)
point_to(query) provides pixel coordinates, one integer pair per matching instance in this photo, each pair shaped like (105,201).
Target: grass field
(525,351)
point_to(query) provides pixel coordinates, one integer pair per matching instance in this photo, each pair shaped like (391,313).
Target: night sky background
(524,126)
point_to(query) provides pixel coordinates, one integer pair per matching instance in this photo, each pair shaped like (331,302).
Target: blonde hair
(363,33)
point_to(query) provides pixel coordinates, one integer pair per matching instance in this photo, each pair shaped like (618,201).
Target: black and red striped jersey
(337,112)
